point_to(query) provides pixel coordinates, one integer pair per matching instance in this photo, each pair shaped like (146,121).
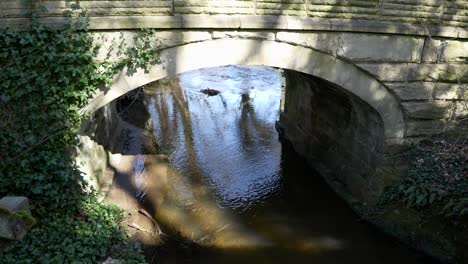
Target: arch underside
(215,53)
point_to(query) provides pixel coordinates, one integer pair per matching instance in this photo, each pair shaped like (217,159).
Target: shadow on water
(304,222)
(231,192)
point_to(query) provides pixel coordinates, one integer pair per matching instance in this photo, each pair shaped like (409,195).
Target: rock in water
(210,92)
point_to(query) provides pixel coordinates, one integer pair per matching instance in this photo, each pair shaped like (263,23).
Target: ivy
(437,177)
(144,53)
(86,237)
(47,75)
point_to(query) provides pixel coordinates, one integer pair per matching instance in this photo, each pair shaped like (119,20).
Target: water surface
(236,190)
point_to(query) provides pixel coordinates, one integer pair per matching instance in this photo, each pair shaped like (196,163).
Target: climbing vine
(47,76)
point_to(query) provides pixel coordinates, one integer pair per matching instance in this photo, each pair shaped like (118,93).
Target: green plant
(85,236)
(47,76)
(437,175)
(144,53)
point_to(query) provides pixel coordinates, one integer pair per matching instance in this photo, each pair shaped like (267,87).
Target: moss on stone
(26,217)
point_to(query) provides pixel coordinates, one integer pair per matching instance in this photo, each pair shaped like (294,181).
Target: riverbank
(427,207)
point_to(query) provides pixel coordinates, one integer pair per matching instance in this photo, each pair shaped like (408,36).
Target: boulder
(15,217)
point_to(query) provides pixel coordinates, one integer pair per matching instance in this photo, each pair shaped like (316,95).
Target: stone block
(326,42)
(455,51)
(438,72)
(110,40)
(15,217)
(173,38)
(425,127)
(429,91)
(428,110)
(450,91)
(359,47)
(213,21)
(397,72)
(347,25)
(15,23)
(308,23)
(266,21)
(92,160)
(213,10)
(445,51)
(244,34)
(15,203)
(461,109)
(134,22)
(431,51)
(413,72)
(379,48)
(412,91)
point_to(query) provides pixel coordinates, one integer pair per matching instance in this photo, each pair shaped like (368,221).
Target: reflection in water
(220,140)
(234,189)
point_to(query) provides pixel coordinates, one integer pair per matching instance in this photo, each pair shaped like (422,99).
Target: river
(233,189)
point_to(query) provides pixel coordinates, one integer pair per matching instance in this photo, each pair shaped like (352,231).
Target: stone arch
(221,52)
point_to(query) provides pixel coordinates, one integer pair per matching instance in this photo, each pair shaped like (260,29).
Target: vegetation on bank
(47,76)
(437,179)
(428,206)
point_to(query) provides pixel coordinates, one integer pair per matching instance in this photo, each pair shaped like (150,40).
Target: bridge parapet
(255,13)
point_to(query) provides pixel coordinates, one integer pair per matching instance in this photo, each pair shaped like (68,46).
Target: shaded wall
(338,133)
(102,139)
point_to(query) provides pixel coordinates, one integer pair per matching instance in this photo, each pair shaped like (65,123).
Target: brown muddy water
(229,190)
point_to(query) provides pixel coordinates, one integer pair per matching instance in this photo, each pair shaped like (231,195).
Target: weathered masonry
(440,12)
(415,50)
(420,78)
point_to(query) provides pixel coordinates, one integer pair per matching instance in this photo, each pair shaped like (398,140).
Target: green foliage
(144,53)
(47,76)
(438,175)
(86,236)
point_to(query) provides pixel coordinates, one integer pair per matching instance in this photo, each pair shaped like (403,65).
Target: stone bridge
(412,77)
(371,74)
(405,58)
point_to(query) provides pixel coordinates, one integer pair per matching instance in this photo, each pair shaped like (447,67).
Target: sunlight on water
(234,143)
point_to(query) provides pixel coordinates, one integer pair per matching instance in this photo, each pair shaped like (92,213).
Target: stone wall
(102,139)
(434,12)
(428,76)
(338,133)
(100,142)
